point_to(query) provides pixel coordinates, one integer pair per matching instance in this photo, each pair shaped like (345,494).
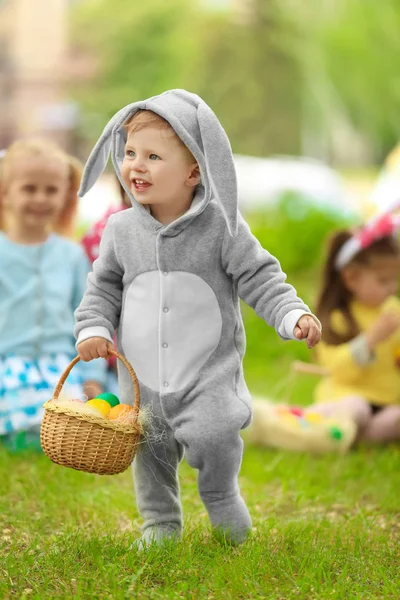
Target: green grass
(323,528)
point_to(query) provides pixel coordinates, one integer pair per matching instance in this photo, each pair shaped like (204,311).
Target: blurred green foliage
(294,230)
(139,49)
(142,49)
(269,68)
(347,52)
(251,81)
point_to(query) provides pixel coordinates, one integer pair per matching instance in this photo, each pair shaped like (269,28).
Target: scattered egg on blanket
(122,413)
(112,399)
(100,405)
(336,433)
(312,417)
(295,410)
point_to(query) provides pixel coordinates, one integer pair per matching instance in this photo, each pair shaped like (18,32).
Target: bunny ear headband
(378,227)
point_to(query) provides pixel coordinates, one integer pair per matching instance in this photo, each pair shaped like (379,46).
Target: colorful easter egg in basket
(108,397)
(122,413)
(100,405)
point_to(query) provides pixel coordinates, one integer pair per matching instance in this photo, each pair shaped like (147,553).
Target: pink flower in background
(91,239)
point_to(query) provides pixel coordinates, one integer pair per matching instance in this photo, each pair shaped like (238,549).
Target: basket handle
(130,370)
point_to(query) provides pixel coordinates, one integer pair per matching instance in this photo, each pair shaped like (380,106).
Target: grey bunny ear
(96,163)
(220,165)
(99,156)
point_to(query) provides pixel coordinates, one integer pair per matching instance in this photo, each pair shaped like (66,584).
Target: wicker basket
(86,442)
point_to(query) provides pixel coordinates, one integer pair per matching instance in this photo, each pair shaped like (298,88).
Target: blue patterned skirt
(26,384)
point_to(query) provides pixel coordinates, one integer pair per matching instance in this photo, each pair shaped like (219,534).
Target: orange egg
(122,413)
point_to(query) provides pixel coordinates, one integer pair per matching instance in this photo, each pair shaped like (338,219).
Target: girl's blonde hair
(334,295)
(38,147)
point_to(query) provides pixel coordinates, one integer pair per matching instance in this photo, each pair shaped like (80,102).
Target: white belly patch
(171,325)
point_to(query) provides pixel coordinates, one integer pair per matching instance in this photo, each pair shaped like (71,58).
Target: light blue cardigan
(40,287)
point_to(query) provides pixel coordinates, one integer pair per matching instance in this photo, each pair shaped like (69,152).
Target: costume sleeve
(98,313)
(96,370)
(260,281)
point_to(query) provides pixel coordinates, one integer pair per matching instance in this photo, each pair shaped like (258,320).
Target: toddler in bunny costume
(168,279)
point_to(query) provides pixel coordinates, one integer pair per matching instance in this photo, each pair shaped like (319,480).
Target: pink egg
(295,410)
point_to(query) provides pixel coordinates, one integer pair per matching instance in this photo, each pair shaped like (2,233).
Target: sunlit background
(309,88)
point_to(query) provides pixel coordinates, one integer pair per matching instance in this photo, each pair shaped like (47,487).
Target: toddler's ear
(194,177)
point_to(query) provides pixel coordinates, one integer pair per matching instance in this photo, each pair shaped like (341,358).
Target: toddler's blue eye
(154,157)
(130,153)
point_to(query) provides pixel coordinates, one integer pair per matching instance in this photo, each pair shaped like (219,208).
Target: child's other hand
(384,326)
(307,329)
(95,347)
(91,389)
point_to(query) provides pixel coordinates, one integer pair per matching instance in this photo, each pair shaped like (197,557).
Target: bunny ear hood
(199,129)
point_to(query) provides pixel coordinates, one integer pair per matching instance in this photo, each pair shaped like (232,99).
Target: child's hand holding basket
(87,441)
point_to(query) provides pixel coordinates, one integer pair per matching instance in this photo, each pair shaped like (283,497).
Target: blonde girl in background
(42,279)
(360,316)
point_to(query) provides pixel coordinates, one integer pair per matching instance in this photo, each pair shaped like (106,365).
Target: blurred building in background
(34,68)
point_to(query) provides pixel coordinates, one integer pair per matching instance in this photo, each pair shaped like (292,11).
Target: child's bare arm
(384,326)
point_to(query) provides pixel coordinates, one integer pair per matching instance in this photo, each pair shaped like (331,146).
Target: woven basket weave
(86,442)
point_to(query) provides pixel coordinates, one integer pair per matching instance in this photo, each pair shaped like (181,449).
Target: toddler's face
(374,284)
(158,169)
(35,191)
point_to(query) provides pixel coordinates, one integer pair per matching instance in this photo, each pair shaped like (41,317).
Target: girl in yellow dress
(360,316)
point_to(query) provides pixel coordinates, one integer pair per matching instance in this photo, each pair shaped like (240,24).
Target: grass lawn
(324,528)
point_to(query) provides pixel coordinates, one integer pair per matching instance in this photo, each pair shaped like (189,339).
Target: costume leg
(208,428)
(383,426)
(155,474)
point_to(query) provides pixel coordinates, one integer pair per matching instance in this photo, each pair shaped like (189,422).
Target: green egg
(110,398)
(336,433)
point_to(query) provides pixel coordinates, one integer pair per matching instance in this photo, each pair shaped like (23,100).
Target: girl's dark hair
(334,295)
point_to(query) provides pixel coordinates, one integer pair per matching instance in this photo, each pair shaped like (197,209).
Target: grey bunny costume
(172,293)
